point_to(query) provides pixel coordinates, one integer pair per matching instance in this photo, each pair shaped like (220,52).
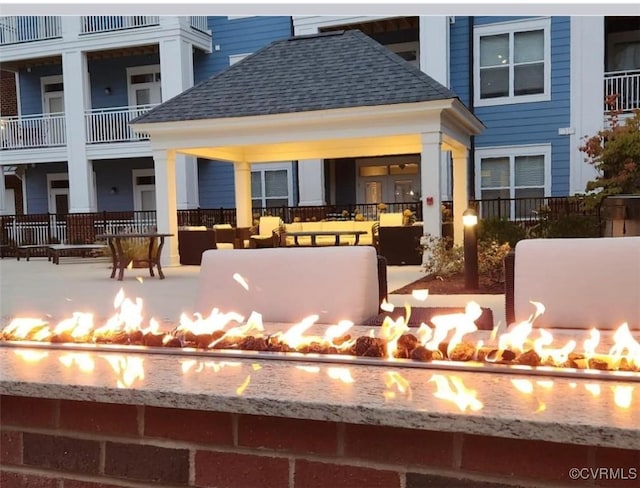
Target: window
(512,62)
(512,173)
(271,187)
(144,85)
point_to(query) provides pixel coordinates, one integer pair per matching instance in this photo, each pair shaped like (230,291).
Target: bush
(491,256)
(501,231)
(442,257)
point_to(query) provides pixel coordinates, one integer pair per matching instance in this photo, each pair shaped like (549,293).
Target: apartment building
(538,85)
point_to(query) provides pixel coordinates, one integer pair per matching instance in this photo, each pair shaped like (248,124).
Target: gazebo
(334,95)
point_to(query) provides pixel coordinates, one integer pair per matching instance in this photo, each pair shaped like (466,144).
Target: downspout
(472,159)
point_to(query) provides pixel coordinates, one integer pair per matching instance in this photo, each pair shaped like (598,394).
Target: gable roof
(334,70)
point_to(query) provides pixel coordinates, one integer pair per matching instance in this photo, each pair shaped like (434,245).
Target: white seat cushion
(391,219)
(582,283)
(288,284)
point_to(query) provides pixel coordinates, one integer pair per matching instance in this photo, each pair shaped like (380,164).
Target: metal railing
(91,24)
(624,87)
(17,29)
(31,131)
(112,124)
(199,22)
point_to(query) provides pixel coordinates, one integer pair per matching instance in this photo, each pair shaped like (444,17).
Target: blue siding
(36,183)
(459,58)
(31,88)
(117,173)
(238,36)
(216,184)
(112,73)
(537,123)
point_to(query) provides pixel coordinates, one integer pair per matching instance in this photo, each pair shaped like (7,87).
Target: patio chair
(393,219)
(225,236)
(268,233)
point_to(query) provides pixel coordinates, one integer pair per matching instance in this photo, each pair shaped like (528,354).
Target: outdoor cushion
(390,219)
(583,283)
(288,284)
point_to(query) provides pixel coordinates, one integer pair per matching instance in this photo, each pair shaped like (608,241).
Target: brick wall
(8,98)
(71,444)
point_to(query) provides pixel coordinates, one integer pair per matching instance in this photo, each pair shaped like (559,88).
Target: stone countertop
(578,411)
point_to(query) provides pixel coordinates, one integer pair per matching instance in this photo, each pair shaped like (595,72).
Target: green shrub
(442,258)
(574,226)
(501,231)
(491,256)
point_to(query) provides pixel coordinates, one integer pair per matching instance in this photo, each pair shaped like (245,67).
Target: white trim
(52,192)
(262,167)
(143,70)
(16,75)
(234,58)
(50,80)
(138,189)
(510,28)
(237,17)
(512,152)
(24,193)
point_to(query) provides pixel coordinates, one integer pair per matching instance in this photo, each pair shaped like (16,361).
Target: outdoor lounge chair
(268,233)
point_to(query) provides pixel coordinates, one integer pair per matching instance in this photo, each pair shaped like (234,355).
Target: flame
(128,369)
(84,361)
(517,335)
(386,306)
(79,326)
(338,330)
(294,336)
(392,330)
(460,323)
(524,386)
(459,394)
(23,328)
(240,390)
(341,374)
(557,356)
(623,395)
(591,344)
(139,278)
(624,341)
(421,295)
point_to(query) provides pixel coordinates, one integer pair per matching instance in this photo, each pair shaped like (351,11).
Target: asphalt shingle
(305,73)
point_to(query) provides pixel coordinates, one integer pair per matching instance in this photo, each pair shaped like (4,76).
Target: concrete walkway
(39,288)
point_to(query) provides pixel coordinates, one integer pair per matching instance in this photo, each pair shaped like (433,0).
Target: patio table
(336,233)
(120,261)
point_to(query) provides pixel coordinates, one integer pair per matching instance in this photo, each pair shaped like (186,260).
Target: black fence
(81,228)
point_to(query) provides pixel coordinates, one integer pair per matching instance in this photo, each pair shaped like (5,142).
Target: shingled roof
(319,72)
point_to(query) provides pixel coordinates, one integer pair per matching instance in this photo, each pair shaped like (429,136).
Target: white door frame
(142,70)
(53,192)
(138,189)
(50,80)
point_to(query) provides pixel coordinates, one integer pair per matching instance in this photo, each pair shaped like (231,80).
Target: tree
(615,153)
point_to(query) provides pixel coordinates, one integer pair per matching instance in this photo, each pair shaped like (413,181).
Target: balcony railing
(16,29)
(199,22)
(626,86)
(112,124)
(92,24)
(32,131)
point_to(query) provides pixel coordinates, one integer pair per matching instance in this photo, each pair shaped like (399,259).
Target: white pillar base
(166,207)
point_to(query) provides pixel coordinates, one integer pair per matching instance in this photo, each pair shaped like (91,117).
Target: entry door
(144,86)
(144,189)
(373,191)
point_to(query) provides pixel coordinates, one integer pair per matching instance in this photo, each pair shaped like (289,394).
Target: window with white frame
(271,186)
(512,62)
(520,175)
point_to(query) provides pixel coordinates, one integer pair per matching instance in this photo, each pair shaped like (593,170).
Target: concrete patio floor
(39,288)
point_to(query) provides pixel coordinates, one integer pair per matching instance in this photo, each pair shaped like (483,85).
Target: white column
(430,183)
(434,47)
(587,94)
(75,77)
(460,191)
(166,209)
(311,182)
(242,180)
(3,208)
(71,27)
(176,67)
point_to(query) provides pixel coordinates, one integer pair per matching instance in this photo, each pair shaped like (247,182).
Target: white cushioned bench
(288,284)
(583,283)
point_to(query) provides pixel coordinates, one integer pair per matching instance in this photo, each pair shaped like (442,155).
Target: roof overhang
(349,132)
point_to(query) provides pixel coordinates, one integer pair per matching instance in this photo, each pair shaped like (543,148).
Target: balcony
(33,131)
(19,29)
(92,24)
(199,22)
(626,86)
(112,124)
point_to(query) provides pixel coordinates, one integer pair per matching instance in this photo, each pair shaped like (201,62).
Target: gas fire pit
(224,401)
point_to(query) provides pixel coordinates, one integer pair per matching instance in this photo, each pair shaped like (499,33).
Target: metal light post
(470,223)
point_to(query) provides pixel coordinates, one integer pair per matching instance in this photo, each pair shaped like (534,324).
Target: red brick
(17,480)
(305,436)
(189,425)
(10,447)
(395,445)
(522,458)
(104,418)
(240,470)
(60,453)
(618,458)
(310,474)
(147,463)
(27,412)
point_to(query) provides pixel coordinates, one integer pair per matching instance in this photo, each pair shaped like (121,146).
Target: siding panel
(31,89)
